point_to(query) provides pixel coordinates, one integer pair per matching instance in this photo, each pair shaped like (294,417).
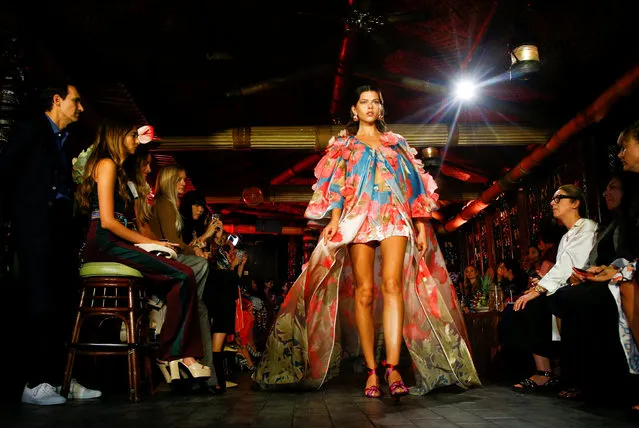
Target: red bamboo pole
(594,113)
(339,85)
(295,169)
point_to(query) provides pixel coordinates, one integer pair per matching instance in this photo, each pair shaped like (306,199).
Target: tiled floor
(339,405)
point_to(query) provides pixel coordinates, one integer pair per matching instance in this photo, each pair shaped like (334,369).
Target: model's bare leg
(362,257)
(393,250)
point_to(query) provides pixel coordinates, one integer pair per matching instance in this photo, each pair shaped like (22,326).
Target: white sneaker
(79,392)
(42,395)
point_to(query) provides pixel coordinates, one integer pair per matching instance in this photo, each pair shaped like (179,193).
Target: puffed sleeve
(420,186)
(330,173)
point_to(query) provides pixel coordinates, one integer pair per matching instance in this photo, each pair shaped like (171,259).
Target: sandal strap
(390,368)
(372,371)
(529,384)
(398,385)
(543,373)
(373,392)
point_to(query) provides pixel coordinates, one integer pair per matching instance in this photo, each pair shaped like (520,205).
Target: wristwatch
(539,289)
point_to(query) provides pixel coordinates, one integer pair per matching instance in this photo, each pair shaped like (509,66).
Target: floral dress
(379,191)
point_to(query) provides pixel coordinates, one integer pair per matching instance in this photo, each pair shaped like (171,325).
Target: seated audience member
(469,287)
(549,237)
(590,320)
(534,322)
(197,220)
(533,262)
(166,223)
(104,193)
(620,275)
(511,282)
(137,168)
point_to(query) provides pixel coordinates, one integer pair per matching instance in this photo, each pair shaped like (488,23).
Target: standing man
(36,168)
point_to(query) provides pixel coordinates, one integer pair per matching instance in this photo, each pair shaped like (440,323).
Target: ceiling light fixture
(465,90)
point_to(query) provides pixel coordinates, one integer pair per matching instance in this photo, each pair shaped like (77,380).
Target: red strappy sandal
(397,388)
(372,391)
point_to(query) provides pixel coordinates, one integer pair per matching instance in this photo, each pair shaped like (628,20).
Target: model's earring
(355,118)
(380,117)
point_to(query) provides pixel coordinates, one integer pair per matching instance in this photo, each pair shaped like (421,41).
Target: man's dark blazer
(30,168)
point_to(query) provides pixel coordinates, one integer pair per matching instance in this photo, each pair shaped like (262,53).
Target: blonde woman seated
(166,223)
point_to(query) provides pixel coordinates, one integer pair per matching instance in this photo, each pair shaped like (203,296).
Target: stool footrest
(104,345)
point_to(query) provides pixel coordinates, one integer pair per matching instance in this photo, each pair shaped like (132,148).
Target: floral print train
(380,190)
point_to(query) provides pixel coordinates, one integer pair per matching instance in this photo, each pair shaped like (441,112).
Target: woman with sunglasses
(534,317)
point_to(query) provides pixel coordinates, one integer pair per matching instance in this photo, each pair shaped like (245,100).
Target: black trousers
(592,357)
(533,327)
(48,270)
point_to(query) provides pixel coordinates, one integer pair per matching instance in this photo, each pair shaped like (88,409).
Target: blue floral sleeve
(420,186)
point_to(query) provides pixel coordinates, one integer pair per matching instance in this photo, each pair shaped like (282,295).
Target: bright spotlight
(465,90)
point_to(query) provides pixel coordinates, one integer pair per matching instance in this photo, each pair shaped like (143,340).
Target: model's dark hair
(352,126)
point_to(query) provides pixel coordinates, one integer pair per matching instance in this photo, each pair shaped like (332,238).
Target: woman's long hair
(133,167)
(109,144)
(166,188)
(468,286)
(191,226)
(353,126)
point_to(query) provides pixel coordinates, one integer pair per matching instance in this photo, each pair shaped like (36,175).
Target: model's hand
(521,302)
(330,230)
(421,242)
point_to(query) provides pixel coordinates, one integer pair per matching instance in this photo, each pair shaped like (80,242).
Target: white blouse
(573,251)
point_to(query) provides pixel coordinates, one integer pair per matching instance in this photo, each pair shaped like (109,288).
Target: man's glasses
(558,198)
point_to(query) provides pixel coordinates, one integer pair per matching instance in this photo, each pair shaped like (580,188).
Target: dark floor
(340,405)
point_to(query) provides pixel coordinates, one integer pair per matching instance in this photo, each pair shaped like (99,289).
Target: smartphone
(582,271)
(234,239)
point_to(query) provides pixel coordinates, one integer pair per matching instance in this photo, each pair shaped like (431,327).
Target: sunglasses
(558,198)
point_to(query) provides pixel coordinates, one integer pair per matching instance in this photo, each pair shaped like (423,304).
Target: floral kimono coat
(315,327)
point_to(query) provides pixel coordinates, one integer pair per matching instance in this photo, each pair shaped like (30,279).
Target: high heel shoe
(372,391)
(397,388)
(195,370)
(164,369)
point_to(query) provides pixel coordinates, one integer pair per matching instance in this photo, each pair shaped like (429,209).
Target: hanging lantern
(431,157)
(524,61)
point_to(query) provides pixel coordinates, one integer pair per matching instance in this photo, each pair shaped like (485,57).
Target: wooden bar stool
(111,291)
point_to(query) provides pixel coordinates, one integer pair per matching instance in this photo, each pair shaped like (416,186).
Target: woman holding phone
(611,342)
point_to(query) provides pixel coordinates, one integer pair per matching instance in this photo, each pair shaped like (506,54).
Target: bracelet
(539,289)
